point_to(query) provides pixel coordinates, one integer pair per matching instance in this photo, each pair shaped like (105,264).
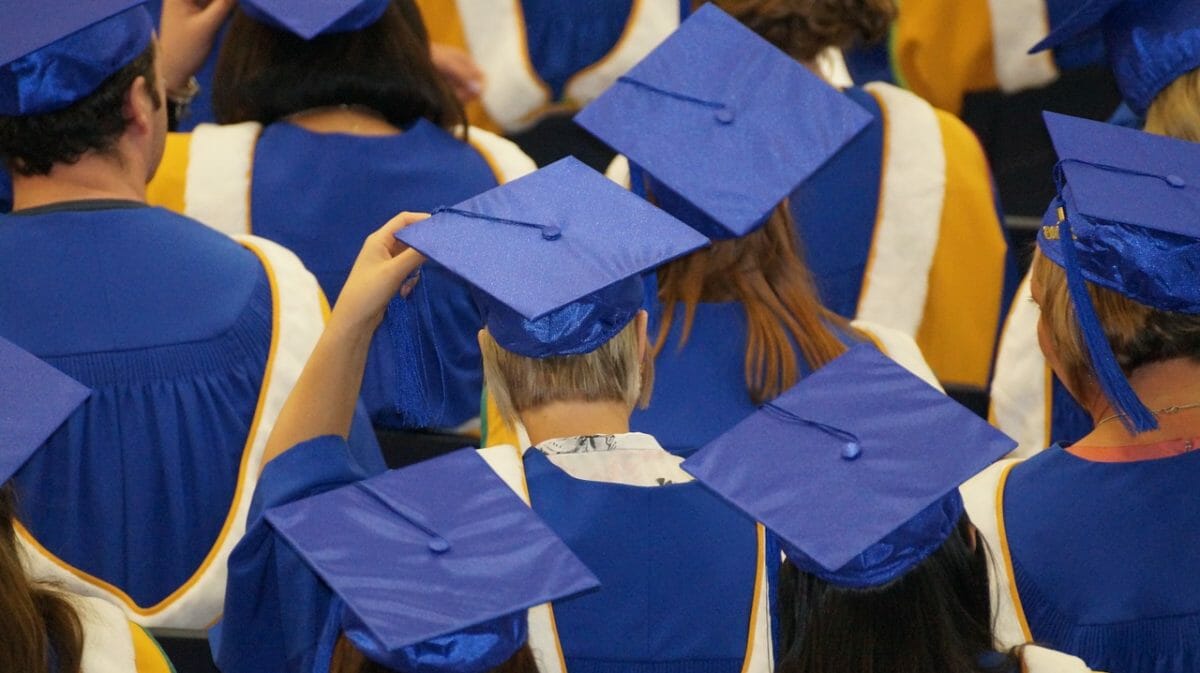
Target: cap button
(724,115)
(851,451)
(551,232)
(1176,181)
(439,545)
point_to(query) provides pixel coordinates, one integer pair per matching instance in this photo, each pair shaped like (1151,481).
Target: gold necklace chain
(1165,411)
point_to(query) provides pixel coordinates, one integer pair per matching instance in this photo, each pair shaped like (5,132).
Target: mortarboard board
(35,400)
(1129,220)
(435,563)
(1150,43)
(726,124)
(310,18)
(856,468)
(54,53)
(555,257)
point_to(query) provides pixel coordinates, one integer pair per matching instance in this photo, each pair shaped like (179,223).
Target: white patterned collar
(631,458)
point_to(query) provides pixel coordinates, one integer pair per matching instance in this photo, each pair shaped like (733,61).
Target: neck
(94,176)
(572,419)
(355,120)
(1160,386)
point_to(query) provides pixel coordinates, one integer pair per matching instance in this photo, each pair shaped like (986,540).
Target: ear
(139,107)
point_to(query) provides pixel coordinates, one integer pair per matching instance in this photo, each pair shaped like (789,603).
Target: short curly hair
(34,144)
(805,28)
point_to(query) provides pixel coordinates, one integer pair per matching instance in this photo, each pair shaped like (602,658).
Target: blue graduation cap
(856,468)
(1129,220)
(555,257)
(1149,43)
(35,400)
(54,53)
(433,566)
(311,18)
(725,124)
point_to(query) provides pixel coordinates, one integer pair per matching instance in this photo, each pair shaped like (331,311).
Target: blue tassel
(415,348)
(1134,415)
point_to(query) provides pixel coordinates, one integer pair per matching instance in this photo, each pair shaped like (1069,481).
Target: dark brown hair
(37,619)
(936,618)
(33,144)
(764,272)
(264,74)
(348,659)
(805,28)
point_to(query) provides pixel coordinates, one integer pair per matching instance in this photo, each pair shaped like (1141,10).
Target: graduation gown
(190,342)
(945,49)
(1093,558)
(321,195)
(650,546)
(547,56)
(700,390)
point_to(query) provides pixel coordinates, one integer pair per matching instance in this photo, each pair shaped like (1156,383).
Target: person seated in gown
(856,469)
(1154,51)
(46,629)
(740,321)
(333,119)
(565,348)
(1098,537)
(189,340)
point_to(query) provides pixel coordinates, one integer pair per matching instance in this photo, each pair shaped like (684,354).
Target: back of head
(1175,111)
(1138,334)
(935,618)
(805,28)
(265,74)
(34,144)
(37,620)
(614,372)
(765,273)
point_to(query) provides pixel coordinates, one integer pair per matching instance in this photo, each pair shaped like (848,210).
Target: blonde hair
(1137,334)
(613,372)
(1175,111)
(765,273)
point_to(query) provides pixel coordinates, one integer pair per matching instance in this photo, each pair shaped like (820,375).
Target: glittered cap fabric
(54,53)
(310,18)
(1133,200)
(426,579)
(725,123)
(1129,220)
(35,400)
(555,257)
(855,469)
(1150,43)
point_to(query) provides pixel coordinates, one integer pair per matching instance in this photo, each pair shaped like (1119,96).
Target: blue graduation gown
(1104,558)
(170,324)
(276,607)
(324,215)
(651,548)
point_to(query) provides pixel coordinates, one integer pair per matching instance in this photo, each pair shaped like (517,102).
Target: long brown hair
(805,28)
(264,74)
(40,626)
(764,272)
(348,659)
